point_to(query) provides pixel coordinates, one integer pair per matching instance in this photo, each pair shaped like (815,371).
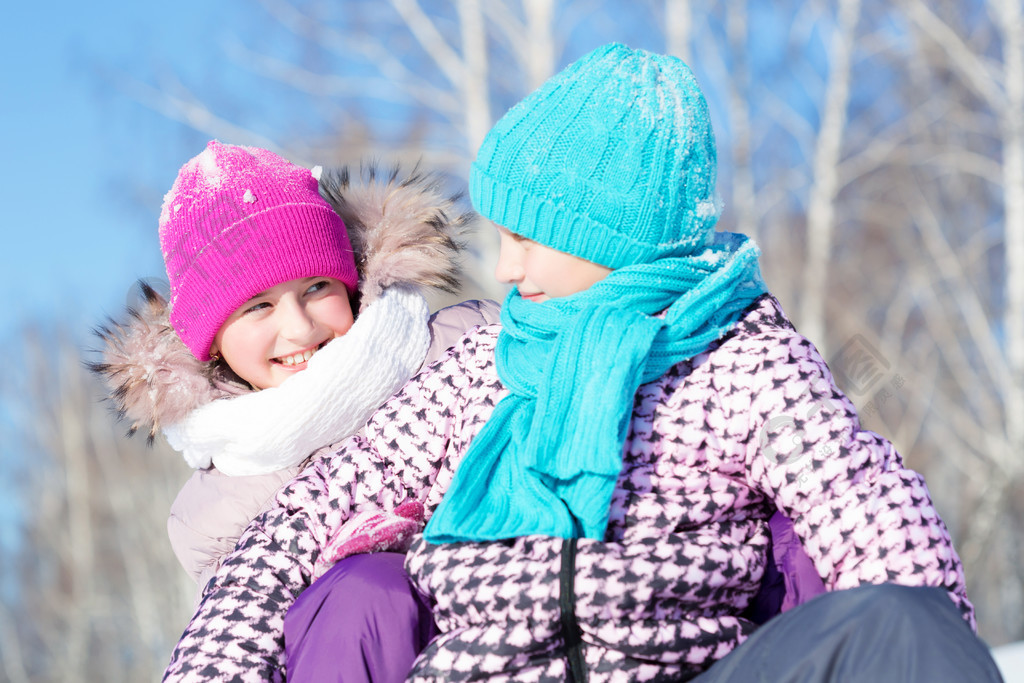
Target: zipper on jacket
(567,608)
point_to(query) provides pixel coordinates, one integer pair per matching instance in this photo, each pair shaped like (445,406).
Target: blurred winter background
(874,148)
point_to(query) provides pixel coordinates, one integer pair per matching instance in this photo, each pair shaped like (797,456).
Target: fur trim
(404,231)
(152,376)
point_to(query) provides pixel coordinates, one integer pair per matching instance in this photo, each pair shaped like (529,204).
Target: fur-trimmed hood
(404,231)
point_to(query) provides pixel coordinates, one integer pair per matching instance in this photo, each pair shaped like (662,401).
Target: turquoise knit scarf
(548,458)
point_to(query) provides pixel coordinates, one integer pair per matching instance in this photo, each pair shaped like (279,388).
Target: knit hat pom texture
(613,159)
(238,221)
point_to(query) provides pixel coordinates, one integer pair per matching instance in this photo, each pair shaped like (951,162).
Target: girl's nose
(296,323)
(508,270)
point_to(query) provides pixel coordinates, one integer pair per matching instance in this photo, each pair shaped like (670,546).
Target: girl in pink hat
(296,308)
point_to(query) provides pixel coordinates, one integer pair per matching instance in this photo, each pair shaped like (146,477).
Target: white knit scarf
(331,399)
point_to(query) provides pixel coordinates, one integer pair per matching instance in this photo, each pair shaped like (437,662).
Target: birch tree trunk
(995,524)
(1011,25)
(825,187)
(678,28)
(743,191)
(475,88)
(540,42)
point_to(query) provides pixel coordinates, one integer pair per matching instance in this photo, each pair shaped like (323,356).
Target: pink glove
(372,532)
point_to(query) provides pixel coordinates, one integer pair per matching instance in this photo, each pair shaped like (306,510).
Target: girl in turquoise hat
(599,471)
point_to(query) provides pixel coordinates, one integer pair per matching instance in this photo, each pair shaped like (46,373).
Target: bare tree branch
(191,111)
(820,206)
(422,27)
(336,86)
(975,71)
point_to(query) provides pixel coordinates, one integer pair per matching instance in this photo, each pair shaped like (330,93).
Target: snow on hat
(613,159)
(238,221)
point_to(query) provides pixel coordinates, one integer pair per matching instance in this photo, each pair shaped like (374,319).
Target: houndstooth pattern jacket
(718,443)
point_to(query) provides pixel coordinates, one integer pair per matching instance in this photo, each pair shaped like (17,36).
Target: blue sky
(85,165)
(76,151)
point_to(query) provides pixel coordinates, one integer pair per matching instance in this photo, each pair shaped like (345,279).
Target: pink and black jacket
(673,586)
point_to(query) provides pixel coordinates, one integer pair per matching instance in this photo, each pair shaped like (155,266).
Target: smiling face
(543,273)
(271,336)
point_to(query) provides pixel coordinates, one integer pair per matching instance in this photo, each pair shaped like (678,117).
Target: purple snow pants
(361,621)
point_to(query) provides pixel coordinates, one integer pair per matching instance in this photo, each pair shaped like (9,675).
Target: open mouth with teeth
(298,358)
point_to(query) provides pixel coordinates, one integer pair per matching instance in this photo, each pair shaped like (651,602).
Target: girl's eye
(256,307)
(317,286)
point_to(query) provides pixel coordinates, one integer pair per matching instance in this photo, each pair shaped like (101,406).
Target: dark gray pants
(871,633)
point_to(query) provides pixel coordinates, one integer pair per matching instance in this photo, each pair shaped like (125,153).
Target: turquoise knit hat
(612,159)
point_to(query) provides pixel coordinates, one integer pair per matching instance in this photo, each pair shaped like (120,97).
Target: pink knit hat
(238,221)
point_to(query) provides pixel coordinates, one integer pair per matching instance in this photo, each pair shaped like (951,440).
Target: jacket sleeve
(406,451)
(862,516)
